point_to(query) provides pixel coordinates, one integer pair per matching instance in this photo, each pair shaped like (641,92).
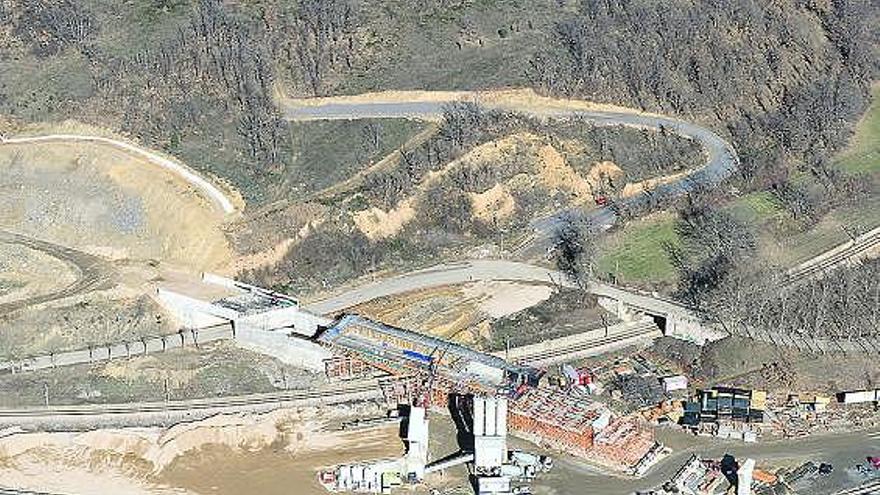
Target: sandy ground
(499,299)
(192,457)
(528,159)
(509,99)
(376,223)
(495,203)
(104,201)
(26,272)
(460,313)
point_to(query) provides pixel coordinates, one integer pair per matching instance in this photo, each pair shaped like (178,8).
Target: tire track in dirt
(93,273)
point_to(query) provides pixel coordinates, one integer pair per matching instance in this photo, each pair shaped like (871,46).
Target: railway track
(189,405)
(640,330)
(860,246)
(870,488)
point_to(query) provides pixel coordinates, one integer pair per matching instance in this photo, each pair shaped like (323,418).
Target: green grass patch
(755,208)
(789,247)
(831,231)
(863,153)
(635,253)
(332,151)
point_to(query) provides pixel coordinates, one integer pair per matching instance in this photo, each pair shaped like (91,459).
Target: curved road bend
(721,162)
(437,276)
(92,271)
(481,271)
(217,196)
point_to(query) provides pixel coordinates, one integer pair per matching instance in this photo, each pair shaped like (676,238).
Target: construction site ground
(736,361)
(27,272)
(231,454)
(273,452)
(125,206)
(462,313)
(107,202)
(214,370)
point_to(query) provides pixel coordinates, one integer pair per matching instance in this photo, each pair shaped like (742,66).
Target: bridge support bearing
(619,309)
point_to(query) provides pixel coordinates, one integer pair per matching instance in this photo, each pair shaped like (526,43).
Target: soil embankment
(268,453)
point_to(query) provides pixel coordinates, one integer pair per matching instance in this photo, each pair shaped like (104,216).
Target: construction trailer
(674,383)
(493,485)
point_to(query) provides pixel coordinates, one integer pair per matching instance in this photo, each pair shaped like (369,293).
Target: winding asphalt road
(721,161)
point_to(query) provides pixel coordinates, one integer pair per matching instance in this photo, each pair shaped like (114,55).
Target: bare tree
(574,249)
(322,38)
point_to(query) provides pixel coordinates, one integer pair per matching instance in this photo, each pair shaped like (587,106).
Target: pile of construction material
(705,476)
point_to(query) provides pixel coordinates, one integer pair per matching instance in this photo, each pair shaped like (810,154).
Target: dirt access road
(92,273)
(217,196)
(841,450)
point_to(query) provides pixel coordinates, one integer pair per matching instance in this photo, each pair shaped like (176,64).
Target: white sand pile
(498,299)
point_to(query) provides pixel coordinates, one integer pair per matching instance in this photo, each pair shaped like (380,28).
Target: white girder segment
(194,313)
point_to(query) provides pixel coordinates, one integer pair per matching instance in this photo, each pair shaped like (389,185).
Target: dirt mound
(493,204)
(519,161)
(604,174)
(376,223)
(557,174)
(26,272)
(636,188)
(104,201)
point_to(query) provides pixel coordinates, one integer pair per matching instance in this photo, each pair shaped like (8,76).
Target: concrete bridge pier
(691,329)
(620,309)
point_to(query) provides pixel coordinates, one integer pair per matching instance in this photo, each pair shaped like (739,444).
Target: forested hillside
(785,79)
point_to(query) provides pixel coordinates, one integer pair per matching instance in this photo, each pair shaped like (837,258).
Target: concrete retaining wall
(193,313)
(148,345)
(617,336)
(291,350)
